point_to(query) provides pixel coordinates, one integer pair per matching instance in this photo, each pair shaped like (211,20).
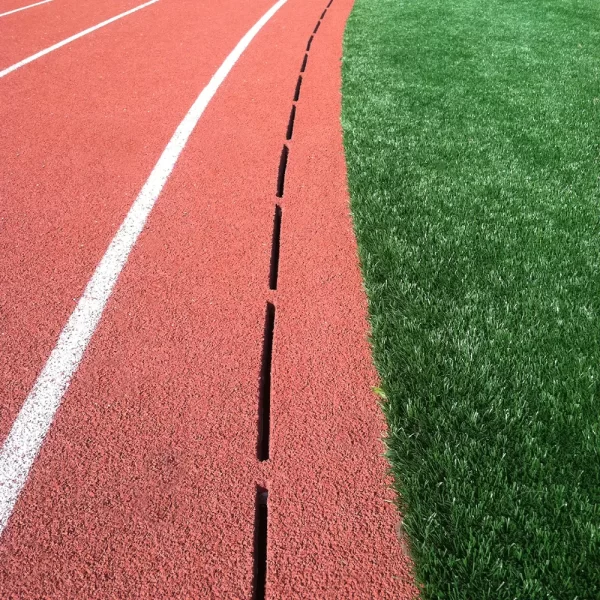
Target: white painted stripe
(41,53)
(16,10)
(33,421)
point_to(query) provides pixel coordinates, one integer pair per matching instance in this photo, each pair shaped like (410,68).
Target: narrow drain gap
(303,67)
(264,395)
(297,92)
(281,174)
(290,127)
(260,543)
(275,248)
(264,417)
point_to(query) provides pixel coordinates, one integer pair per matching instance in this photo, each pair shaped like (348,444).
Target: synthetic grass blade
(472,136)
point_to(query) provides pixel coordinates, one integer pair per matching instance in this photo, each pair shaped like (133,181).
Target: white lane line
(16,10)
(33,421)
(41,53)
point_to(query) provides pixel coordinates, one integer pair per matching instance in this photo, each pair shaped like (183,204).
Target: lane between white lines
(16,10)
(33,421)
(58,45)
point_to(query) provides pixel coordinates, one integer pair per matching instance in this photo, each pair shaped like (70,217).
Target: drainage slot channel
(303,67)
(317,27)
(330,3)
(264,396)
(282,167)
(323,15)
(297,92)
(275,248)
(309,43)
(290,129)
(260,543)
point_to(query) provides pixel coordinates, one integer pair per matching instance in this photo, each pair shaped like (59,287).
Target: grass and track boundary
(472,134)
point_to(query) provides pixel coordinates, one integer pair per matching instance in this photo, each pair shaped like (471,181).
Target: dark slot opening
(297,92)
(275,248)
(260,543)
(264,395)
(309,43)
(317,27)
(290,128)
(282,167)
(330,2)
(324,13)
(303,67)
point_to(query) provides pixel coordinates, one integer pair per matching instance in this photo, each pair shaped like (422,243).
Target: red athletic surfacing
(146,485)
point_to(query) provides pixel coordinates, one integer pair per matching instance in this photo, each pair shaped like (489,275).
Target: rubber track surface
(146,485)
(30,31)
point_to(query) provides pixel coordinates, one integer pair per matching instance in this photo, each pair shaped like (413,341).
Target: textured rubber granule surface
(146,484)
(30,31)
(82,129)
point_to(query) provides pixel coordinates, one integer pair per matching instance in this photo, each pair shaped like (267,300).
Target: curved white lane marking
(33,421)
(16,10)
(41,53)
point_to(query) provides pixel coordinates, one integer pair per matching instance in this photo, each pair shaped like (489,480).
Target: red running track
(147,481)
(27,32)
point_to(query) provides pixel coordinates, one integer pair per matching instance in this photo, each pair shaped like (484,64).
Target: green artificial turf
(472,134)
